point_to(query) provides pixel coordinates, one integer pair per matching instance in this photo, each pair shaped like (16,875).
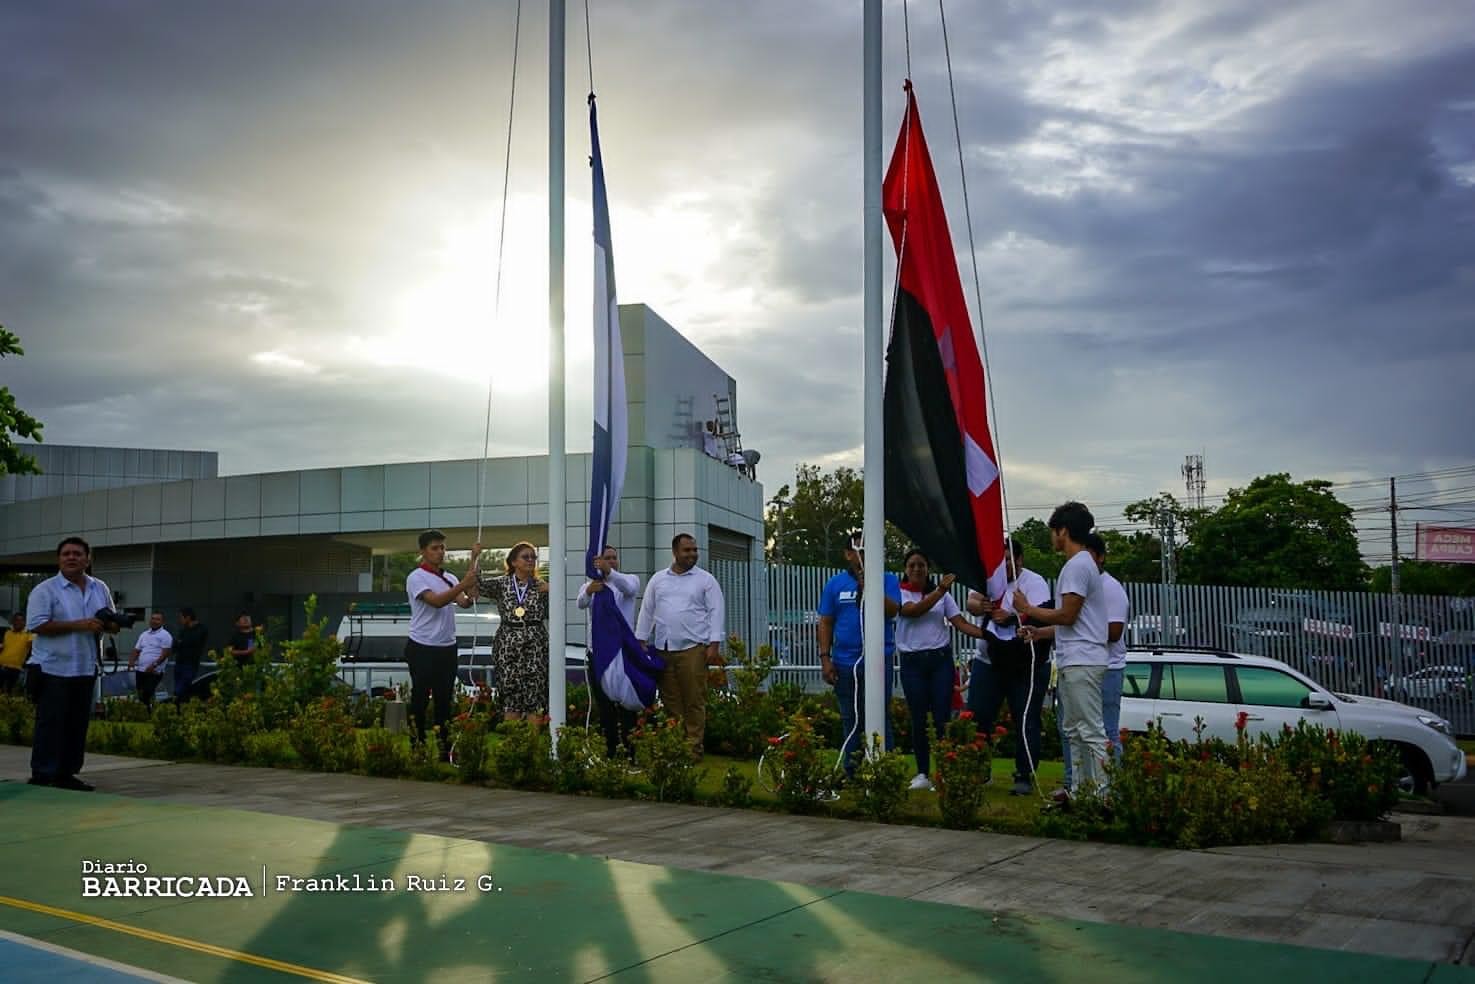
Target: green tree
(15,422)
(1039,555)
(806,524)
(1419,577)
(1275,533)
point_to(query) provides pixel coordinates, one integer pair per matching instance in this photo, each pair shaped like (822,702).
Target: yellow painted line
(179,941)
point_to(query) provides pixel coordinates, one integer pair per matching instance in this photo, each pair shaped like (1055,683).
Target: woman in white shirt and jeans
(924,645)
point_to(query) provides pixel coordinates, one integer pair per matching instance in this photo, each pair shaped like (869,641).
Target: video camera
(115,620)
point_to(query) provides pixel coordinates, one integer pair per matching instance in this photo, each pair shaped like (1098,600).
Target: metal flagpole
(873,523)
(557,473)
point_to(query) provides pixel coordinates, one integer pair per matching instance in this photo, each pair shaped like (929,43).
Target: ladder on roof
(727,431)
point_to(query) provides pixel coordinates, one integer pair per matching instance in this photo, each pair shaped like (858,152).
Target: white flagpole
(557,473)
(873,524)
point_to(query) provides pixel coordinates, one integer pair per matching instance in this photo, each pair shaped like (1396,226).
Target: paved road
(1414,899)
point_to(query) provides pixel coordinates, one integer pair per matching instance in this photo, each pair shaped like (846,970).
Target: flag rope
(1012,566)
(486,445)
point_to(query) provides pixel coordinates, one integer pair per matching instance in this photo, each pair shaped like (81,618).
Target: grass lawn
(1001,812)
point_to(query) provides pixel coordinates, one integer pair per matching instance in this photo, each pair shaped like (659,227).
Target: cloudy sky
(270,228)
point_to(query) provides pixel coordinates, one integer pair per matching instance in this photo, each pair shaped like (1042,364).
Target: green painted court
(530,914)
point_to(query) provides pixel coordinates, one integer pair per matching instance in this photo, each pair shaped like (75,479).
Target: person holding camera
(68,614)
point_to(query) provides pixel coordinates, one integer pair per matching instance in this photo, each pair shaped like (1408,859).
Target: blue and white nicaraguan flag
(625,670)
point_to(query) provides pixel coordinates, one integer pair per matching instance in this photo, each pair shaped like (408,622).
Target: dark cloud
(1245,229)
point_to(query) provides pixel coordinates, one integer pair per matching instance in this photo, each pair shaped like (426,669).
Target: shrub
(323,736)
(736,791)
(110,738)
(381,753)
(269,749)
(741,717)
(1359,778)
(1206,793)
(578,752)
(219,731)
(578,704)
(17,719)
(520,755)
(797,769)
(881,780)
(173,730)
(425,763)
(468,737)
(667,757)
(610,777)
(962,767)
(124,709)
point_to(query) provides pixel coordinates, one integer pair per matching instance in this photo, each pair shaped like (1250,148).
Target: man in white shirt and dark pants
(682,618)
(1118,614)
(1078,625)
(1013,669)
(150,657)
(62,612)
(431,648)
(616,721)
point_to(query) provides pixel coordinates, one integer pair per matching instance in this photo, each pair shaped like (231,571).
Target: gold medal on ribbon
(519,611)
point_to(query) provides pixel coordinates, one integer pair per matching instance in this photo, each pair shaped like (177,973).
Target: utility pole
(1395,631)
(1167,539)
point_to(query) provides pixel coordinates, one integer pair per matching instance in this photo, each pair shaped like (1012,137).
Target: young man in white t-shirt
(1118,614)
(431,649)
(1078,625)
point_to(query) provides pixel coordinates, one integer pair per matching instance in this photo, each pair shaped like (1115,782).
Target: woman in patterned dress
(520,647)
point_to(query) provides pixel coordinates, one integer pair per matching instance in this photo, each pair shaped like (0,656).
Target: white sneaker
(827,796)
(920,781)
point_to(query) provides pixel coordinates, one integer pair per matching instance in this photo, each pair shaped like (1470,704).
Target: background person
(430,651)
(243,639)
(62,612)
(150,658)
(14,652)
(520,647)
(190,642)
(683,618)
(924,645)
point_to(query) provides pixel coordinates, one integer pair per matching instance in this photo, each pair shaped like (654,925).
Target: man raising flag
(942,474)
(619,666)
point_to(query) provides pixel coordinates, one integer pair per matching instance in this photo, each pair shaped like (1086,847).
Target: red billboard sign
(1447,544)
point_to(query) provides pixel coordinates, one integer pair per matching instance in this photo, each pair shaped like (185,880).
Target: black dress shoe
(72,782)
(40,781)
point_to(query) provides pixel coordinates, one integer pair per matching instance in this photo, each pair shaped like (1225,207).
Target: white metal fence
(1416,649)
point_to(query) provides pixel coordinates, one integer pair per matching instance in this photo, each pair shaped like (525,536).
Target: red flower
(1240,720)
(774,741)
(965,716)
(951,756)
(1000,731)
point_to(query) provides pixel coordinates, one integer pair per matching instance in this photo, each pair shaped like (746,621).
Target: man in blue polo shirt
(62,612)
(841,646)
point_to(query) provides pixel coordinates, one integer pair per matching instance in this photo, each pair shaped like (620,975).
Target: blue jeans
(1111,717)
(850,689)
(927,682)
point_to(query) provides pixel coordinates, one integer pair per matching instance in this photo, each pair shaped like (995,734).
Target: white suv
(1175,685)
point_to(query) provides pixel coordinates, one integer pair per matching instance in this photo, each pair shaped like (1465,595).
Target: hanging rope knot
(591,97)
(906,85)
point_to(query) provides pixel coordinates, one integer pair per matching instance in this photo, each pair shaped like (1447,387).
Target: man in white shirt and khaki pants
(682,617)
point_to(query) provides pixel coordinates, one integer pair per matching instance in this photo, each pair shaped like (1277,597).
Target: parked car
(1431,682)
(1176,686)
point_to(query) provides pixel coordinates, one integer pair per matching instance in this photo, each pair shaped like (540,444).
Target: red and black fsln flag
(942,476)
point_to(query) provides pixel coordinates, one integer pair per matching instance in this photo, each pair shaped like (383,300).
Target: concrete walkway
(1414,899)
